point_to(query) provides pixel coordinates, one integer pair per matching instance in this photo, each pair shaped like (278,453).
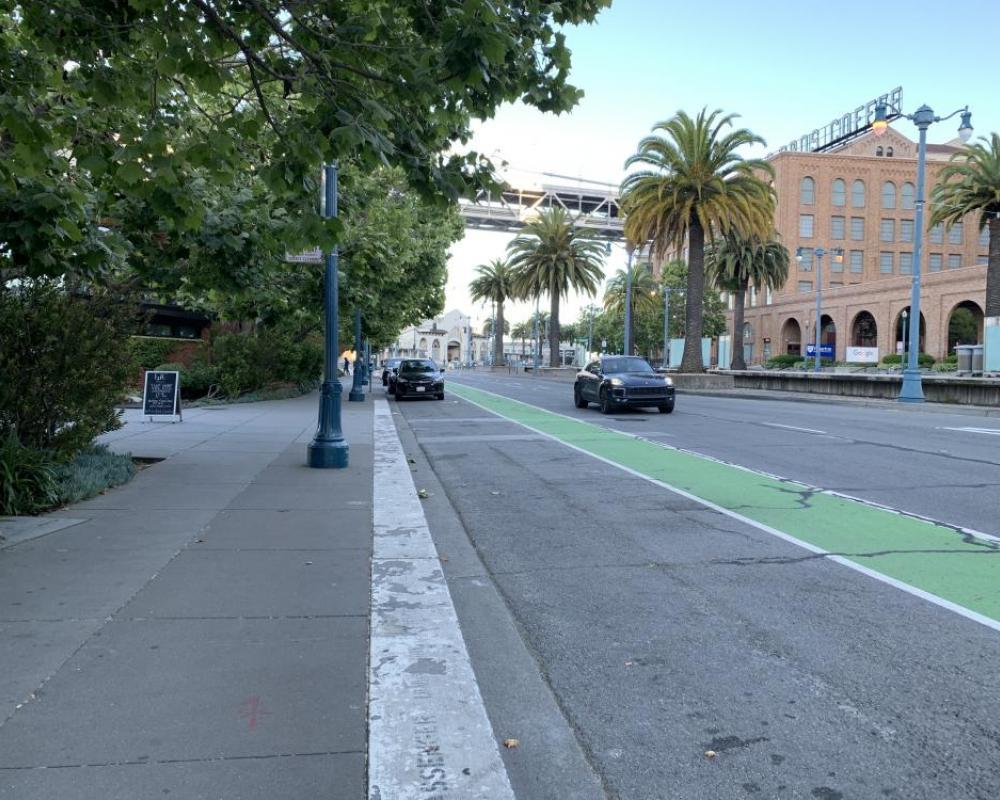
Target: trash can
(964,353)
(977,359)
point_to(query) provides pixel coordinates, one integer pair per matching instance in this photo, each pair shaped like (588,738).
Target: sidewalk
(201,632)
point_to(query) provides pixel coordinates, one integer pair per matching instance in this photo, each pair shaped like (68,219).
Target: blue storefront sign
(825,351)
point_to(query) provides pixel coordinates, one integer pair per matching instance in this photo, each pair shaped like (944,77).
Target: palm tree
(695,184)
(644,294)
(522,331)
(494,284)
(552,256)
(734,263)
(970,184)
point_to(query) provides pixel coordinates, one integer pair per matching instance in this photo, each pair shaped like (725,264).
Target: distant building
(446,339)
(860,198)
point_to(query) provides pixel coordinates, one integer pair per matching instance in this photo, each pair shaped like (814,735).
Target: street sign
(825,351)
(161,395)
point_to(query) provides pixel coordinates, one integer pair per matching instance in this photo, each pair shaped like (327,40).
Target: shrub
(91,472)
(64,364)
(247,363)
(923,359)
(27,478)
(198,379)
(146,352)
(777,362)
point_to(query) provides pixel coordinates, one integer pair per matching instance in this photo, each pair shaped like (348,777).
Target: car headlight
(617,382)
(400,380)
(668,381)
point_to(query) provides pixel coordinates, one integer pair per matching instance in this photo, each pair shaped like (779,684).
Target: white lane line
(428,733)
(793,428)
(962,611)
(989,431)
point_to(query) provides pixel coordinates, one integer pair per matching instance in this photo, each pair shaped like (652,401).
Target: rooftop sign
(845,127)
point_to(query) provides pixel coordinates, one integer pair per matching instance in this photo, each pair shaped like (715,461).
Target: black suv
(418,377)
(616,381)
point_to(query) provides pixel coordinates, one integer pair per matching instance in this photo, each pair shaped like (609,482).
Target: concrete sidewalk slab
(204,632)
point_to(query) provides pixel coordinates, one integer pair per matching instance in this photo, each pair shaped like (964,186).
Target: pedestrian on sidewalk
(347,366)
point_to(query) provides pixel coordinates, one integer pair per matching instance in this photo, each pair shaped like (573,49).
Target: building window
(934,262)
(858,194)
(768,296)
(982,259)
(954,261)
(805,259)
(906,230)
(839,192)
(857,261)
(906,263)
(984,237)
(805,287)
(836,227)
(878,150)
(887,231)
(807,191)
(858,229)
(888,195)
(937,234)
(955,233)
(836,262)
(906,196)
(836,284)
(805,226)
(885,262)
(888,152)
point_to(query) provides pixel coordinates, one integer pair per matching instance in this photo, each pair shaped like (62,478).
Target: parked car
(389,372)
(418,377)
(617,381)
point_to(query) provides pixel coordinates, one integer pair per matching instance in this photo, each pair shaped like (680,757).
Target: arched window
(858,194)
(878,150)
(839,192)
(888,152)
(888,195)
(807,191)
(906,195)
(747,332)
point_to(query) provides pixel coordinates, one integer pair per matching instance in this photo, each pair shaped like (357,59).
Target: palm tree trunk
(554,360)
(692,362)
(498,336)
(993,270)
(738,361)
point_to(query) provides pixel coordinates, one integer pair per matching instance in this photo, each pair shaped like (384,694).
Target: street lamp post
(357,390)
(838,254)
(590,334)
(912,390)
(538,342)
(630,249)
(666,326)
(906,316)
(328,448)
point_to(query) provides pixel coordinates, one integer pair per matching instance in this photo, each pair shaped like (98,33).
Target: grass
(91,472)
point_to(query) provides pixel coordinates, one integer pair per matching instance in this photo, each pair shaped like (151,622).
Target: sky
(784,67)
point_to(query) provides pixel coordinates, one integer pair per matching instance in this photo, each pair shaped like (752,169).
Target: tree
(552,256)
(104,99)
(644,294)
(734,263)
(694,184)
(970,184)
(494,283)
(523,331)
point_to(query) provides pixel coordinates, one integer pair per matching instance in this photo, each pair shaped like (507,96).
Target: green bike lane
(945,565)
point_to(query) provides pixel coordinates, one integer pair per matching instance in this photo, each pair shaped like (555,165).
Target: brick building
(860,198)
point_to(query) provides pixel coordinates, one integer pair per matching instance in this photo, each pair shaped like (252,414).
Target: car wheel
(605,403)
(439,396)
(666,408)
(578,400)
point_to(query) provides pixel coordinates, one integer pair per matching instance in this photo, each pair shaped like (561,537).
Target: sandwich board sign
(161,395)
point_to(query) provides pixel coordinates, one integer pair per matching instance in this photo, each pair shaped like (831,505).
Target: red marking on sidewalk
(252,710)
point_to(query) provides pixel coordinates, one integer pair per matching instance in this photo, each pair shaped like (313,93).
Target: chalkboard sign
(161,394)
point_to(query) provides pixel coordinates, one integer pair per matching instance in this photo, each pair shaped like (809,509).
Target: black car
(616,381)
(389,368)
(418,377)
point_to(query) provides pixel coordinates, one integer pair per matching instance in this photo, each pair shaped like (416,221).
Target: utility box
(977,359)
(991,345)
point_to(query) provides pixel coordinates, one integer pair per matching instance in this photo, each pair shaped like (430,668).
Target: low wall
(937,388)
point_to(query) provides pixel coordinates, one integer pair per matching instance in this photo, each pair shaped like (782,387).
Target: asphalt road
(664,629)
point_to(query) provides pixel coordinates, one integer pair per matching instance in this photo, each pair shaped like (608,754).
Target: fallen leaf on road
(496,493)
(412,460)
(510,744)
(423,494)
(628,663)
(709,754)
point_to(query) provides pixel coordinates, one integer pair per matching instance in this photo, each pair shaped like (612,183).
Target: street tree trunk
(692,362)
(554,360)
(739,299)
(993,269)
(498,336)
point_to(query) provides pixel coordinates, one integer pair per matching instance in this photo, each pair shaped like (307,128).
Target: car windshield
(625,364)
(417,366)
(392,362)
